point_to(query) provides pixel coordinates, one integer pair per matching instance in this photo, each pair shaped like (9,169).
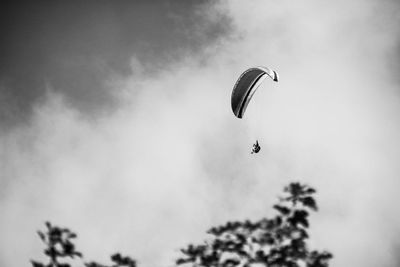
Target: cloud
(172,160)
(76,47)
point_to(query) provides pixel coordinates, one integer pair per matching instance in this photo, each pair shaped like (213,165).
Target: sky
(115,121)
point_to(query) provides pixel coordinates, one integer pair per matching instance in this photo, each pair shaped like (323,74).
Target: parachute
(246,86)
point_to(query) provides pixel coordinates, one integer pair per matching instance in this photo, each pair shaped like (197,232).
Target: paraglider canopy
(246,86)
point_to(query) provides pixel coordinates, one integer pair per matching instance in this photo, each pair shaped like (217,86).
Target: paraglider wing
(246,86)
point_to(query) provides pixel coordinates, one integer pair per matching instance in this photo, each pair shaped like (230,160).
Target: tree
(277,242)
(59,246)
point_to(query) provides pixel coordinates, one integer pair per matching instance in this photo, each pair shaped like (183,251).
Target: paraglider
(244,90)
(256,148)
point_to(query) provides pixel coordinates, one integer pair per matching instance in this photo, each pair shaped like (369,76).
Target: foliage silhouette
(276,242)
(117,259)
(59,246)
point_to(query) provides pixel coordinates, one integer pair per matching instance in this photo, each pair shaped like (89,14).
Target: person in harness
(256,148)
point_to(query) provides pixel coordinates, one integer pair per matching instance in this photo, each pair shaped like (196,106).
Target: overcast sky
(115,121)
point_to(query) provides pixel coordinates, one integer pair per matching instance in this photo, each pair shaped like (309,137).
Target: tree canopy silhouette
(277,242)
(59,247)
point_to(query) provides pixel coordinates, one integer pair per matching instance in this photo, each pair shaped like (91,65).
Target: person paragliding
(256,148)
(244,90)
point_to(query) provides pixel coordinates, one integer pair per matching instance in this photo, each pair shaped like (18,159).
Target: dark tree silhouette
(59,246)
(276,242)
(118,261)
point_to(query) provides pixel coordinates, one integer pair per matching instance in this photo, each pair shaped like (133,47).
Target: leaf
(121,260)
(69,248)
(42,236)
(283,210)
(37,264)
(48,225)
(72,235)
(319,259)
(294,189)
(299,217)
(94,264)
(181,261)
(309,202)
(116,257)
(310,190)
